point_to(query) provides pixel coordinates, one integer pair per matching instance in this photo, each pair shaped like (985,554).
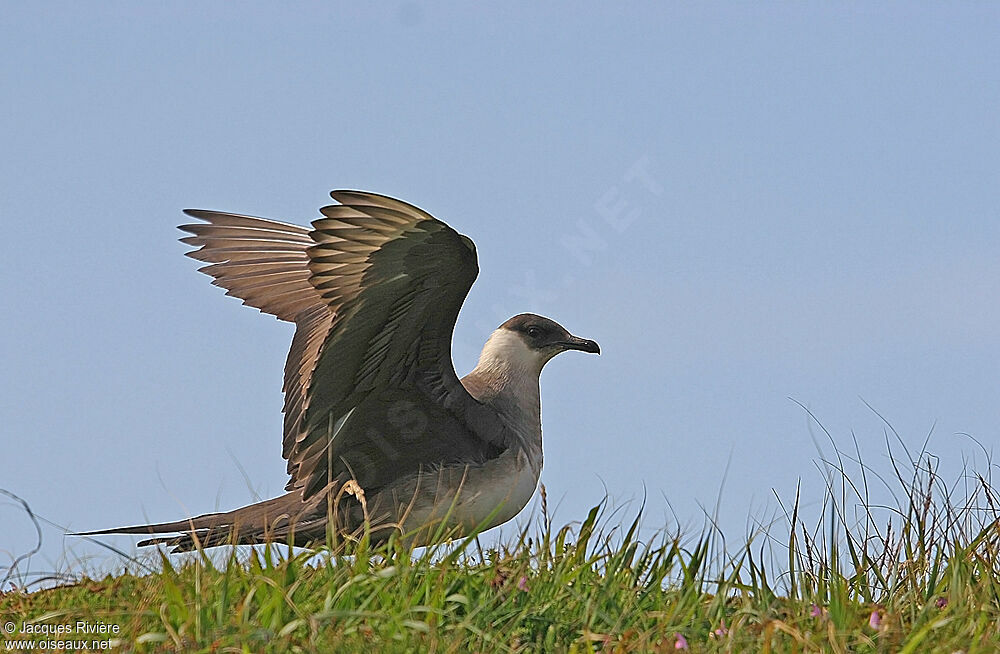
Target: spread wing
(375,289)
(265,263)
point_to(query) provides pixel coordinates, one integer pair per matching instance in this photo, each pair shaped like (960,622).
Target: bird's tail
(280,520)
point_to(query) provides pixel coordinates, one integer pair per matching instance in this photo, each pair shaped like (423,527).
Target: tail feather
(274,520)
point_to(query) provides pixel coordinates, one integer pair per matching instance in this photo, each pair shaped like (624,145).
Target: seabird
(378,428)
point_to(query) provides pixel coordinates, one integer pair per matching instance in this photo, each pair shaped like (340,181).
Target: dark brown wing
(370,389)
(385,401)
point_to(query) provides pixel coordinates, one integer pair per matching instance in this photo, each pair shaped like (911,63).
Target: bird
(379,432)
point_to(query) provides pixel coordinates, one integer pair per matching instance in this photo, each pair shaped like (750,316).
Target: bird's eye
(534,332)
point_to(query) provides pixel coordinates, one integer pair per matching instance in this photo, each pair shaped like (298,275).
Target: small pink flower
(875,621)
(816,611)
(522,584)
(722,630)
(680,642)
(941,602)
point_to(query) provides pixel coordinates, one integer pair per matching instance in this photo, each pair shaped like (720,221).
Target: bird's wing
(384,400)
(265,263)
(370,389)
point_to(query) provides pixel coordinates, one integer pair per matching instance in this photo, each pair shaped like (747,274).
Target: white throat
(506,350)
(511,369)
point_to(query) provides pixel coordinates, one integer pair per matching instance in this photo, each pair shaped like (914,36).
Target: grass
(917,574)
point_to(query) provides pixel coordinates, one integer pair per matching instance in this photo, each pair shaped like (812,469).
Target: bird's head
(529,341)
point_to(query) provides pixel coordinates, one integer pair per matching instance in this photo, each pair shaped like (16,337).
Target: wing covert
(374,290)
(384,395)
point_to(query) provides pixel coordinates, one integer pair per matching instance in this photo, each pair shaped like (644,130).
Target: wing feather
(241,248)
(374,289)
(265,264)
(402,278)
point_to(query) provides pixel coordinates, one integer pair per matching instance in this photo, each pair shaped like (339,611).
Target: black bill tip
(583,344)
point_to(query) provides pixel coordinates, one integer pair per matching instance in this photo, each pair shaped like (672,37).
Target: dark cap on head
(540,333)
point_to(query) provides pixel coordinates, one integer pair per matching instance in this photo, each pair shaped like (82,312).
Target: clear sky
(742,203)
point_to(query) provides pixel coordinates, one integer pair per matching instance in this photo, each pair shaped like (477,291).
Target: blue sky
(742,203)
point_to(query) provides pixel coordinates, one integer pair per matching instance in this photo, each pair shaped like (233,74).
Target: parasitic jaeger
(378,428)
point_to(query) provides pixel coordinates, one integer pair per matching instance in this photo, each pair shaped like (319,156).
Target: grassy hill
(925,581)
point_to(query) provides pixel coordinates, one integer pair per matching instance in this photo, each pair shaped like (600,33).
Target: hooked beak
(582,344)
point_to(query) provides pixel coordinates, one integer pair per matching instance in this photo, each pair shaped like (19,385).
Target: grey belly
(454,500)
